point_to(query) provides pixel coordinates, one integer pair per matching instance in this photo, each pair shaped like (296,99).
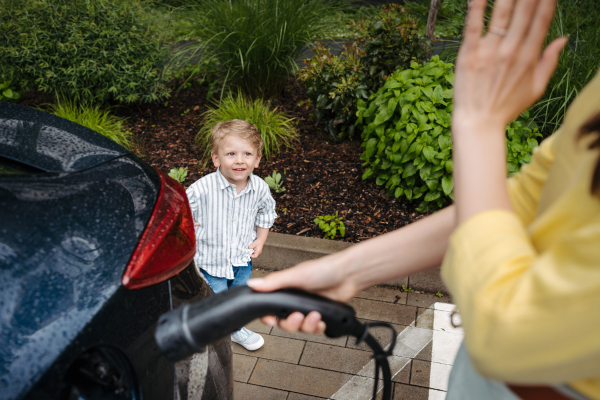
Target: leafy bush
(275,183)
(390,42)
(330,225)
(407,140)
(101,121)
(521,140)
(179,174)
(8,91)
(87,50)
(276,129)
(257,41)
(205,72)
(335,83)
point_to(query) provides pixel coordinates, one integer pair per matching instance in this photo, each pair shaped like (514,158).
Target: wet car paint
(68,227)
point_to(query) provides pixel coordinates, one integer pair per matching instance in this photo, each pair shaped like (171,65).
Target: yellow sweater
(527,282)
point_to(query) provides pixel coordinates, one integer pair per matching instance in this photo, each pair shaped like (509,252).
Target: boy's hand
(257,246)
(196,224)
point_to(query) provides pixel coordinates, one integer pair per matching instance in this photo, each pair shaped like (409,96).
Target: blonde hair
(237,127)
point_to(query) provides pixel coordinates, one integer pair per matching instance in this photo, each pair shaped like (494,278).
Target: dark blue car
(95,245)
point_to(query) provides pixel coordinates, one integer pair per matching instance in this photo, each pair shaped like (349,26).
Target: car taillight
(168,244)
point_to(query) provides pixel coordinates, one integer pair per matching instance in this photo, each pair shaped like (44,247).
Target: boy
(233,211)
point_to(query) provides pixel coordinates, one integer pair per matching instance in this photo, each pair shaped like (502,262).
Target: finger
(519,26)
(293,322)
(269,320)
(547,65)
(474,26)
(539,26)
(501,15)
(321,327)
(311,322)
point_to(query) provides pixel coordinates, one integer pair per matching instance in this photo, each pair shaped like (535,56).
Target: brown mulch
(320,177)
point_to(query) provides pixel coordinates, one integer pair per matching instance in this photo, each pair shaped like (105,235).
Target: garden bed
(320,177)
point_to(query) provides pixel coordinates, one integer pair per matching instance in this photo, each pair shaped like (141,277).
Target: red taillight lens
(168,244)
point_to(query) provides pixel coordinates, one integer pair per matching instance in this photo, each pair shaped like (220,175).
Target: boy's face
(237,158)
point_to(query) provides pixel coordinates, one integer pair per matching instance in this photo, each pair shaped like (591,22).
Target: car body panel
(50,143)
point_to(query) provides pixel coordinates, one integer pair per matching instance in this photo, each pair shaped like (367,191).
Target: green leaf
(431,196)
(410,170)
(367,173)
(449,166)
(408,193)
(398,192)
(391,107)
(447,184)
(370,149)
(8,93)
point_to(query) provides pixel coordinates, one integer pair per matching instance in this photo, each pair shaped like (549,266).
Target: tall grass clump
(257,41)
(577,64)
(96,119)
(276,129)
(87,50)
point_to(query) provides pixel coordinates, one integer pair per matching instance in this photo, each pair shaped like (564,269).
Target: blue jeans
(240,277)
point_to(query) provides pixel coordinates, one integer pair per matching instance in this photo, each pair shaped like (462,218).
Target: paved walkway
(309,367)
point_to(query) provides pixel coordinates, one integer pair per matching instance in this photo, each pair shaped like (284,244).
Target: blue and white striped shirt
(228,221)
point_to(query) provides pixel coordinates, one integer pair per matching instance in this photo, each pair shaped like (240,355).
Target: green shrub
(335,83)
(9,91)
(390,42)
(330,225)
(408,146)
(407,139)
(93,117)
(276,129)
(257,41)
(205,72)
(521,140)
(87,50)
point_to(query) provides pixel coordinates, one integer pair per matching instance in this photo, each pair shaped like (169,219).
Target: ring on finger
(497,31)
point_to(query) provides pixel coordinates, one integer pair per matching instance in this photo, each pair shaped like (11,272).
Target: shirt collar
(224,183)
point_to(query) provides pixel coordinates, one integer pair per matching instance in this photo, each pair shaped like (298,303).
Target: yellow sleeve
(525,187)
(528,317)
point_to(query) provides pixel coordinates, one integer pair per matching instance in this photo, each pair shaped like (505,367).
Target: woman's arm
(411,249)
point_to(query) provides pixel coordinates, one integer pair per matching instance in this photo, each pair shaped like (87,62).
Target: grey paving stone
(381,311)
(297,378)
(420,373)
(341,341)
(259,327)
(382,334)
(408,392)
(275,348)
(242,367)
(383,293)
(426,300)
(425,318)
(244,391)
(334,358)
(297,396)
(429,281)
(425,354)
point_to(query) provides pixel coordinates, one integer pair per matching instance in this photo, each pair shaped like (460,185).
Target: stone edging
(282,251)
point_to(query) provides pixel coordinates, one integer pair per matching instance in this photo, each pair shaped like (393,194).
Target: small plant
(97,119)
(275,183)
(88,50)
(8,91)
(438,294)
(330,225)
(178,174)
(405,289)
(276,129)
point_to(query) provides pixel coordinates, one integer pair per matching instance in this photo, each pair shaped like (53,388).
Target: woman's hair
(592,125)
(239,128)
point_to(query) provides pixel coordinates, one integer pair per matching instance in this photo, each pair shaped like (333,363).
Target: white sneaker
(250,340)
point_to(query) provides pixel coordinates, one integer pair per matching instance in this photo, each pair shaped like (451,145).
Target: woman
(521,259)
